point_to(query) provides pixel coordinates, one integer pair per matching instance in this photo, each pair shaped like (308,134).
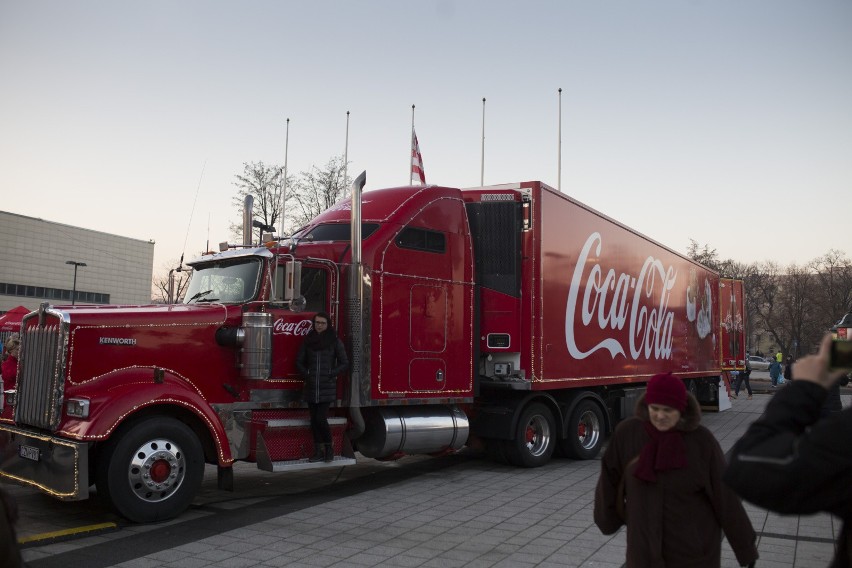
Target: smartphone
(841,354)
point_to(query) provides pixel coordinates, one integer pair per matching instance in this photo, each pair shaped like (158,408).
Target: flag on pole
(417,171)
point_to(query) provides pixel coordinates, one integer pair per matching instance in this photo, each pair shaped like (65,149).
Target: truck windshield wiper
(198,295)
(207,300)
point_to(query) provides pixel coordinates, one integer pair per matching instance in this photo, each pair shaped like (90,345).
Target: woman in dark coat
(670,469)
(321,358)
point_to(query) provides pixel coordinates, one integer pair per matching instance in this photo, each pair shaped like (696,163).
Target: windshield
(228,282)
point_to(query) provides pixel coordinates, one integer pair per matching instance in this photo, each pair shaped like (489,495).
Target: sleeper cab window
(422,240)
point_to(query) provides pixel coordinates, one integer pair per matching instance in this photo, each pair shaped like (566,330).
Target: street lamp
(74,289)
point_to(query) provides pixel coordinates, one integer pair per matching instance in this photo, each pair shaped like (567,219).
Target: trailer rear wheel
(535,437)
(151,470)
(585,435)
(692,387)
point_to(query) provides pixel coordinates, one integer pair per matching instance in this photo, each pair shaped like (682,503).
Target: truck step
(285,444)
(298,422)
(294,465)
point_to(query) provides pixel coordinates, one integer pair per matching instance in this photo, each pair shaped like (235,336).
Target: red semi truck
(511,317)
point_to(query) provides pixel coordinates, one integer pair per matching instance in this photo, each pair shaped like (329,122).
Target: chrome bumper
(55,466)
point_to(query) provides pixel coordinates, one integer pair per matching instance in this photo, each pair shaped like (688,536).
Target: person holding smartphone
(792,462)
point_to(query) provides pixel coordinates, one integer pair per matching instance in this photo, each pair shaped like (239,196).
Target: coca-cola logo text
(612,300)
(281,327)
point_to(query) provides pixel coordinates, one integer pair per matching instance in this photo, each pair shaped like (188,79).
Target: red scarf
(663,452)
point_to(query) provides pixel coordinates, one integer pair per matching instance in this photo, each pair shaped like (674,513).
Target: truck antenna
(191,213)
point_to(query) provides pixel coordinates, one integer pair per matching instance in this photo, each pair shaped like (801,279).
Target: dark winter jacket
(791,462)
(833,402)
(677,520)
(320,369)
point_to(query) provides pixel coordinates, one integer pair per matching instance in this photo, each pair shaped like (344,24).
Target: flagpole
(284,186)
(482,168)
(411,151)
(559,162)
(346,151)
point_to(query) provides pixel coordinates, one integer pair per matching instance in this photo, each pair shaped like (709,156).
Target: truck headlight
(77,407)
(11,396)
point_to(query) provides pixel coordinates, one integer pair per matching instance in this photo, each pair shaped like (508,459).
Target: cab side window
(422,240)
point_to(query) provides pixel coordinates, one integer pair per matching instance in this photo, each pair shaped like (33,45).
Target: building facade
(38,260)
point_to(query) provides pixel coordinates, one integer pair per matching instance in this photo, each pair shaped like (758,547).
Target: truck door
(425,297)
(290,328)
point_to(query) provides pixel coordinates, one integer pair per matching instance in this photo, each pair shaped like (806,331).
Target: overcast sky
(727,122)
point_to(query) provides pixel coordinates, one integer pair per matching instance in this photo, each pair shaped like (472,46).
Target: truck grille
(41,367)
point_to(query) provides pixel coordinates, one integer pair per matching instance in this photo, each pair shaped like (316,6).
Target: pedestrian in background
(774,372)
(744,377)
(661,475)
(788,368)
(779,357)
(321,358)
(9,366)
(791,462)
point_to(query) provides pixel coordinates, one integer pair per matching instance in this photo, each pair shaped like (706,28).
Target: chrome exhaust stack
(354,300)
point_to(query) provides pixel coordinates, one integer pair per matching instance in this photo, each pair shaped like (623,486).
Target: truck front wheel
(535,437)
(585,435)
(151,470)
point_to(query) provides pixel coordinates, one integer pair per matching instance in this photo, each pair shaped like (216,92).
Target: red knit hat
(668,390)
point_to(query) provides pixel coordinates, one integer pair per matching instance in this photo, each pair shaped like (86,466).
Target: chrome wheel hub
(157,469)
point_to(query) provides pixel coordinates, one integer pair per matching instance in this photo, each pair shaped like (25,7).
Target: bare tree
(705,255)
(160,283)
(265,184)
(315,191)
(796,322)
(764,294)
(832,293)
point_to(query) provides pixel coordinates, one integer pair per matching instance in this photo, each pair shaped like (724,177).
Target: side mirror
(288,281)
(298,304)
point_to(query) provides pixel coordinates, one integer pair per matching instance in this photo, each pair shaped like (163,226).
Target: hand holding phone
(840,356)
(819,368)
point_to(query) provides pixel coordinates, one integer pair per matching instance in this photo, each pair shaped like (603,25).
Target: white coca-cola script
(281,327)
(614,300)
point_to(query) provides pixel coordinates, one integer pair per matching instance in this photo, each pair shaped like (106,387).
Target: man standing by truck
(744,377)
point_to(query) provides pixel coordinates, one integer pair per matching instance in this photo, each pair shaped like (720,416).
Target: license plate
(28,452)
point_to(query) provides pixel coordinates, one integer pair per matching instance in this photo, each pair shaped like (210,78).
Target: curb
(66,534)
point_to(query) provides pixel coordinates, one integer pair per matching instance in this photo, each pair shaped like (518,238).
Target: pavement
(459,510)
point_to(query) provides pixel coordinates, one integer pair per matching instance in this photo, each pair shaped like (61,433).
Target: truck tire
(535,437)
(585,435)
(151,470)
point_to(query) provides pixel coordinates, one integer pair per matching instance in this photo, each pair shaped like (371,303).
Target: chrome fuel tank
(257,346)
(413,430)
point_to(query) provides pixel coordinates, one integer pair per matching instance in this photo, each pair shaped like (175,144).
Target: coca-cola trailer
(510,317)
